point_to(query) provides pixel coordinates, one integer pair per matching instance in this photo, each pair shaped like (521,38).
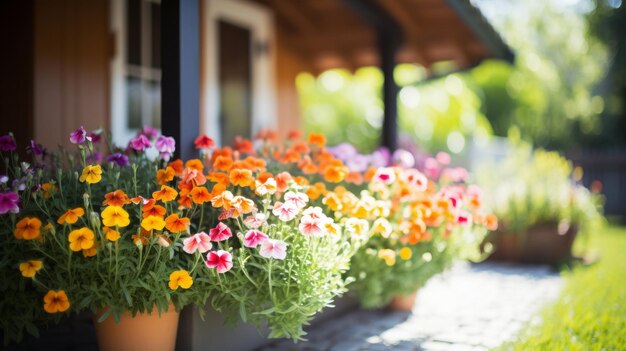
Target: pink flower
(7,143)
(140,143)
(9,202)
(385,175)
(220,259)
(255,221)
(271,248)
(253,238)
(220,233)
(204,142)
(312,227)
(285,211)
(443,158)
(197,242)
(79,136)
(297,199)
(165,146)
(314,213)
(150,132)
(416,179)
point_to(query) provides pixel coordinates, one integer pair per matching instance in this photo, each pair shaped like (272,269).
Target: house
(105,62)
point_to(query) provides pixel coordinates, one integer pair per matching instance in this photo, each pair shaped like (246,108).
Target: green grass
(591,311)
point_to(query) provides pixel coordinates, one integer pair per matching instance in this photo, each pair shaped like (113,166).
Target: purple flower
(9,202)
(166,146)
(95,136)
(95,157)
(150,132)
(7,143)
(140,143)
(79,136)
(403,158)
(19,184)
(358,163)
(381,157)
(343,151)
(36,149)
(3,179)
(119,159)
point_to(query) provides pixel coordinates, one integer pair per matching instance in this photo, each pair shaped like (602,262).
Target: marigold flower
(165,175)
(181,279)
(166,194)
(271,248)
(220,259)
(71,216)
(153,223)
(81,239)
(28,228)
(30,268)
(204,142)
(92,174)
(317,139)
(176,224)
(116,198)
(198,242)
(115,216)
(111,234)
(406,253)
(200,195)
(56,302)
(221,232)
(241,177)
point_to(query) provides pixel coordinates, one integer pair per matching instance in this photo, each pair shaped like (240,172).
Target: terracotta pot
(142,332)
(403,303)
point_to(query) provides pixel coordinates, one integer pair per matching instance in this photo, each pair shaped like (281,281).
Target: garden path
(470,307)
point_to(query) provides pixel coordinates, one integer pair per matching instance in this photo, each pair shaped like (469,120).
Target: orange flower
(256,163)
(301,147)
(200,195)
(264,176)
(335,174)
(243,145)
(217,190)
(225,151)
(28,228)
(175,224)
(116,198)
(192,176)
(48,189)
(241,177)
(369,174)
(242,205)
(301,180)
(294,134)
(291,156)
(317,139)
(491,222)
(165,175)
(111,234)
(181,279)
(223,200)
(177,166)
(90,252)
(152,210)
(71,216)
(195,164)
(307,166)
(332,201)
(282,181)
(166,194)
(354,178)
(56,301)
(81,239)
(223,163)
(115,216)
(30,268)
(219,178)
(184,200)
(153,223)
(316,190)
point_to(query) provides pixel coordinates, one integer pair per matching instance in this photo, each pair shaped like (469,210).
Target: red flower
(204,142)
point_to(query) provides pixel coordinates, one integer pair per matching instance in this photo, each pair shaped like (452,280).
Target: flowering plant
(78,233)
(426,226)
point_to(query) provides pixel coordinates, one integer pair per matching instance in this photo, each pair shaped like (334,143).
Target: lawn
(591,311)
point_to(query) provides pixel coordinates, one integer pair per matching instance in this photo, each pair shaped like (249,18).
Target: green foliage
(590,313)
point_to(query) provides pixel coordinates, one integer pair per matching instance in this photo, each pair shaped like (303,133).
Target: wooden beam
(180,53)
(292,13)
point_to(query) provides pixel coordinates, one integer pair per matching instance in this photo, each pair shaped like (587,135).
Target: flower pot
(403,303)
(144,331)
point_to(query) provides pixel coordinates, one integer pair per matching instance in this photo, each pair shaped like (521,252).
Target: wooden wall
(73,49)
(288,66)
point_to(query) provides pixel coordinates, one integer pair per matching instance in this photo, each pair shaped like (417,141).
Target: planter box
(540,244)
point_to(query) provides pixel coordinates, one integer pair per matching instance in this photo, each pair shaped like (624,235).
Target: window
(136,68)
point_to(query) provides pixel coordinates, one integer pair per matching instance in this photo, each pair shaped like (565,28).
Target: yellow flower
(388,255)
(382,226)
(28,228)
(56,301)
(30,267)
(91,174)
(115,216)
(111,234)
(405,253)
(180,278)
(152,222)
(81,239)
(71,216)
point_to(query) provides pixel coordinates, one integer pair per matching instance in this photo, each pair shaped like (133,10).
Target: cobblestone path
(470,307)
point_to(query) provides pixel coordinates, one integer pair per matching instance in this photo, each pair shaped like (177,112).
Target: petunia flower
(204,142)
(166,146)
(180,278)
(56,302)
(221,232)
(150,132)
(385,175)
(312,226)
(119,159)
(284,211)
(30,268)
(297,199)
(9,202)
(7,143)
(139,143)
(79,136)
(220,259)
(256,220)
(272,248)
(253,238)
(198,242)
(95,136)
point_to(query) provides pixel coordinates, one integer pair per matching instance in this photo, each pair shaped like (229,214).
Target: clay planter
(540,244)
(403,303)
(142,332)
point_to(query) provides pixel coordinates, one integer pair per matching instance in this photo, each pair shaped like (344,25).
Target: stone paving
(471,307)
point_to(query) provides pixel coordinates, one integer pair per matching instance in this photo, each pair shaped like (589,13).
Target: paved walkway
(470,307)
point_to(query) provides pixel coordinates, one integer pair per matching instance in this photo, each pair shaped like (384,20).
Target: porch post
(180,57)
